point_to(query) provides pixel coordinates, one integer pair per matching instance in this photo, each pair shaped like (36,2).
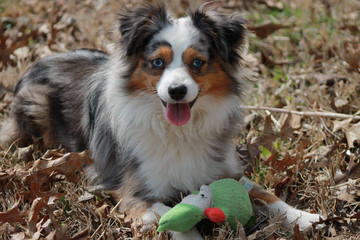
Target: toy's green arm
(180,218)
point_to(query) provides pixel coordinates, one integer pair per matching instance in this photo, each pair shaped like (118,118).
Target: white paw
(149,220)
(152,216)
(294,216)
(305,219)
(193,234)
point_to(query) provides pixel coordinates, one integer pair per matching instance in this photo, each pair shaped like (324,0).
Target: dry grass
(310,63)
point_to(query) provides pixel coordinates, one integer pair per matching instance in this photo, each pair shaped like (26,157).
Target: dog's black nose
(177,92)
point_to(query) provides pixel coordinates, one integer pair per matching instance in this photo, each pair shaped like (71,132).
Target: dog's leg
(276,206)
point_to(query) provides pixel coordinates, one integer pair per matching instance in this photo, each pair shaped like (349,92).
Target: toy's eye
(157,63)
(202,195)
(197,63)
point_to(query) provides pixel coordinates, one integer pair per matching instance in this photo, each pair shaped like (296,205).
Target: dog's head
(182,59)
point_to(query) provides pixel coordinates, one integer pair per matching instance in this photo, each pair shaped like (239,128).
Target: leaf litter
(305,57)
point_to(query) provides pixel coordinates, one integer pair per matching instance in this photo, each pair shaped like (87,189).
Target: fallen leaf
(34,213)
(346,197)
(102,211)
(286,130)
(269,136)
(13,215)
(67,165)
(338,125)
(319,152)
(328,78)
(51,236)
(18,236)
(25,153)
(264,30)
(352,134)
(283,164)
(295,121)
(281,186)
(274,4)
(86,197)
(351,54)
(81,235)
(297,233)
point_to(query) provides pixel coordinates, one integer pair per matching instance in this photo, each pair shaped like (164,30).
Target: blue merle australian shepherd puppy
(158,115)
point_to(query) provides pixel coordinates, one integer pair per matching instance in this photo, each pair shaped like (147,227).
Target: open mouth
(178,113)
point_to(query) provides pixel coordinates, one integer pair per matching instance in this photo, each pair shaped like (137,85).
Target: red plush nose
(215,214)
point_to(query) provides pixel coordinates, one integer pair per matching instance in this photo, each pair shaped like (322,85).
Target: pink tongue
(178,113)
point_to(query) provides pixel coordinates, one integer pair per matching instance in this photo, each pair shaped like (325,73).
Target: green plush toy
(225,200)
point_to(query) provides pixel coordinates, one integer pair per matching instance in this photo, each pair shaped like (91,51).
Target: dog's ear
(137,26)
(226,33)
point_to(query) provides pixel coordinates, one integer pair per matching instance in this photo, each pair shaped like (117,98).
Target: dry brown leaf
(34,213)
(352,171)
(347,197)
(352,134)
(18,236)
(25,153)
(295,121)
(86,197)
(327,78)
(269,136)
(283,164)
(13,215)
(319,152)
(286,130)
(297,234)
(281,186)
(67,165)
(81,235)
(351,54)
(51,236)
(338,125)
(264,30)
(103,210)
(268,60)
(274,4)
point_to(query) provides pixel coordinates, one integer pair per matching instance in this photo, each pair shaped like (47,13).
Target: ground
(303,55)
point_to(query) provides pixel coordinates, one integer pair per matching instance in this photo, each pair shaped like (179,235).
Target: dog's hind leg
(9,132)
(29,117)
(276,206)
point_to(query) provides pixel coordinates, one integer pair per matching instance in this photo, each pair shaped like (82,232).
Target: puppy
(158,115)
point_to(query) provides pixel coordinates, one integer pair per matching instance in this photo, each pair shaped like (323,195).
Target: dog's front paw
(305,219)
(150,218)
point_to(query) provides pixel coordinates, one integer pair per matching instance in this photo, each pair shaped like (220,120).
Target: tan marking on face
(190,54)
(144,78)
(211,77)
(164,52)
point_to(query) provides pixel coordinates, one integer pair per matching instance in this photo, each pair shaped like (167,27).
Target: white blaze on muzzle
(177,105)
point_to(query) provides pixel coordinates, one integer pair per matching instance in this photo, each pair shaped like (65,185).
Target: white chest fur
(172,158)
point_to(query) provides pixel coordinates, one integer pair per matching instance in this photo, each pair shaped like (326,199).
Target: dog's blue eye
(157,63)
(197,63)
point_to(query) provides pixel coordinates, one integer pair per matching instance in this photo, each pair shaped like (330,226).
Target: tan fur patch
(142,80)
(262,195)
(211,77)
(146,79)
(163,52)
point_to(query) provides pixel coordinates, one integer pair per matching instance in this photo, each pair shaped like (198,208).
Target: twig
(312,114)
(114,208)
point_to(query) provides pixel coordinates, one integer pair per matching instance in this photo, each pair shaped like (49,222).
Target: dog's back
(49,100)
